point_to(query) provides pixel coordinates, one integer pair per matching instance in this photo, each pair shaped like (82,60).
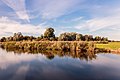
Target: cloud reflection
(7,59)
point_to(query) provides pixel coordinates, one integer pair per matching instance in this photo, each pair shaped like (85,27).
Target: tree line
(50,36)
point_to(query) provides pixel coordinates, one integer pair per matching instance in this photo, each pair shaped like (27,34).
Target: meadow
(110,45)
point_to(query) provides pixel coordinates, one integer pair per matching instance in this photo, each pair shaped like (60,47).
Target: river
(24,66)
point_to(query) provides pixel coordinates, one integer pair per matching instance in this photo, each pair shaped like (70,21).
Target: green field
(110,45)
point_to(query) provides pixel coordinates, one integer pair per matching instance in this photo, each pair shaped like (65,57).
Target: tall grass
(81,46)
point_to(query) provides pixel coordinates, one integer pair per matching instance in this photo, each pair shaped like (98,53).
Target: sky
(32,17)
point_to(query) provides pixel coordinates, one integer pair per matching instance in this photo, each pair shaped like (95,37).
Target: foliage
(69,36)
(3,39)
(49,34)
(50,45)
(74,37)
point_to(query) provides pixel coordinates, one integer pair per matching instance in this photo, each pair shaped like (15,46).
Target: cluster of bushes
(17,37)
(50,45)
(50,36)
(79,37)
(98,50)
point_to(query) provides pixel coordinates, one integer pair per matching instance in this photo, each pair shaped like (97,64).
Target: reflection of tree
(51,54)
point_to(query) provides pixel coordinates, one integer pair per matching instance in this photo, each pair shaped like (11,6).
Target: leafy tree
(97,38)
(18,36)
(9,38)
(90,38)
(86,37)
(79,37)
(69,36)
(104,39)
(3,39)
(72,36)
(49,33)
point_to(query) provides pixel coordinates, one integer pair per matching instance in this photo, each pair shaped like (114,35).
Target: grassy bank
(81,46)
(111,46)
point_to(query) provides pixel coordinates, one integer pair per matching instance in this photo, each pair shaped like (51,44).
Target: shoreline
(81,46)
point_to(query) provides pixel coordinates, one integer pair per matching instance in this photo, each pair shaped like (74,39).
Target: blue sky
(31,17)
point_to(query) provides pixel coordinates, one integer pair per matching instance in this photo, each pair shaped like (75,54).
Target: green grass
(110,45)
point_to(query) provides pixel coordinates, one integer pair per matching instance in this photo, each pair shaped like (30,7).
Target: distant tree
(31,38)
(3,39)
(86,37)
(62,37)
(90,38)
(104,39)
(9,38)
(79,37)
(41,36)
(49,33)
(26,38)
(72,36)
(18,36)
(68,36)
(97,38)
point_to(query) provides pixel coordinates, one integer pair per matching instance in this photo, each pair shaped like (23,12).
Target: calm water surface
(24,66)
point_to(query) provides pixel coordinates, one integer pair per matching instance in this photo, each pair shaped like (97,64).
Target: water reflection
(51,54)
(58,66)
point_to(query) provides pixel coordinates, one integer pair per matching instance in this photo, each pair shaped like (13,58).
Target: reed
(81,46)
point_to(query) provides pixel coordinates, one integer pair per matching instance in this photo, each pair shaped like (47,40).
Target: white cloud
(77,19)
(11,58)
(19,7)
(54,8)
(9,26)
(102,22)
(97,23)
(109,24)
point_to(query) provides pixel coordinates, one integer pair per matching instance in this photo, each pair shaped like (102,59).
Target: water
(24,66)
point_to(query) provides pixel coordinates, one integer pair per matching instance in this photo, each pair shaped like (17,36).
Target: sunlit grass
(50,45)
(110,45)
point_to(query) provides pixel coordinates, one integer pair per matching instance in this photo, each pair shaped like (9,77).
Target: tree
(86,37)
(3,39)
(62,37)
(79,37)
(49,33)
(104,39)
(9,38)
(97,38)
(69,36)
(72,36)
(18,36)
(90,38)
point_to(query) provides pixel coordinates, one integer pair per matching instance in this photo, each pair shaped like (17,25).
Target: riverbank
(113,47)
(81,46)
